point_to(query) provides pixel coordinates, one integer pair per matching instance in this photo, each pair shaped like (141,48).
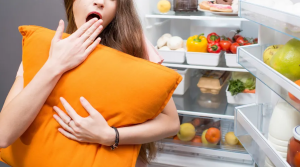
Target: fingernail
(82,98)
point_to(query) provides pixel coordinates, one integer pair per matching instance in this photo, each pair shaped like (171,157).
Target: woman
(122,31)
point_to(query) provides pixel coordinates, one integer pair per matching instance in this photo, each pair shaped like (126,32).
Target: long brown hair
(125,34)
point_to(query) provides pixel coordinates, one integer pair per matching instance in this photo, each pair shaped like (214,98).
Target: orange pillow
(124,89)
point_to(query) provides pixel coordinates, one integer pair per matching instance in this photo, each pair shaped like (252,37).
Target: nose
(99,3)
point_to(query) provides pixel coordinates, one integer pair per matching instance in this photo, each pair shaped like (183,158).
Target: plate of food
(220,7)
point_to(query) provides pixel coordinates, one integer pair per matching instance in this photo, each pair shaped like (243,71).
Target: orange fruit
(295,99)
(213,135)
(197,139)
(197,122)
(176,138)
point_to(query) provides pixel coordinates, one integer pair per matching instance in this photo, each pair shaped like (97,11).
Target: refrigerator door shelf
(250,122)
(250,57)
(281,21)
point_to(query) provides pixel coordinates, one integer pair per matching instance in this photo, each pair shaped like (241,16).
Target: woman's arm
(164,125)
(22,105)
(95,129)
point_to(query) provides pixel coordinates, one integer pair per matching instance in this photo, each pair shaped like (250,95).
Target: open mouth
(93,15)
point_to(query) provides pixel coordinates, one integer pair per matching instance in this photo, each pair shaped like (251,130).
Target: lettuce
(241,81)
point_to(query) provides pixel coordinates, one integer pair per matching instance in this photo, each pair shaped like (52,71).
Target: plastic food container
(172,56)
(231,60)
(293,155)
(213,81)
(185,83)
(185,5)
(226,127)
(241,98)
(209,100)
(203,59)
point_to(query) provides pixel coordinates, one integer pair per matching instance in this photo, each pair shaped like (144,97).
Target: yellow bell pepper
(197,43)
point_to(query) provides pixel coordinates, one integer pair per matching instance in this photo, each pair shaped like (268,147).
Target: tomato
(229,39)
(235,37)
(247,43)
(225,45)
(242,40)
(233,47)
(255,41)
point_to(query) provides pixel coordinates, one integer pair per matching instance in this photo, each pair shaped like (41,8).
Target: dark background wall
(14,13)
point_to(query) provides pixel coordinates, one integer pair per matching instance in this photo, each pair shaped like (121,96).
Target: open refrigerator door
(266,127)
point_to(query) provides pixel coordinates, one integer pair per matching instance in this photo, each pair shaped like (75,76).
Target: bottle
(283,120)
(293,155)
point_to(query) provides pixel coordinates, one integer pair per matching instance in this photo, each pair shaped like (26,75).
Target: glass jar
(185,5)
(293,155)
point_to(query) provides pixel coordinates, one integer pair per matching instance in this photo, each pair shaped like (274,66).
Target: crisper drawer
(206,138)
(251,128)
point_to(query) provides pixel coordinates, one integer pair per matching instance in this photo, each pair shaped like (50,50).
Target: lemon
(231,139)
(287,60)
(164,6)
(187,132)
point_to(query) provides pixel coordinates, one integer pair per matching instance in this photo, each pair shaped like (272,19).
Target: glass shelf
(193,102)
(250,57)
(221,150)
(196,103)
(196,16)
(251,122)
(271,18)
(221,67)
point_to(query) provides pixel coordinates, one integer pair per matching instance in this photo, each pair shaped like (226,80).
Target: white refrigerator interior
(248,118)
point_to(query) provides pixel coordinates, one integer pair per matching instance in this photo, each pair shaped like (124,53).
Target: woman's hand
(92,129)
(66,54)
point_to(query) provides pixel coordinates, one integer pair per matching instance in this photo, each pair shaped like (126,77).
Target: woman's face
(84,10)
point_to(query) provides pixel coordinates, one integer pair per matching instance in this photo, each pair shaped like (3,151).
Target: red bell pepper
(213,37)
(214,47)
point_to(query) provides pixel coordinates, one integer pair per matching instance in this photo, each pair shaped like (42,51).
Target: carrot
(249,91)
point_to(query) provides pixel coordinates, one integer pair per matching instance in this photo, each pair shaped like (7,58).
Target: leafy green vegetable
(250,84)
(236,87)
(247,78)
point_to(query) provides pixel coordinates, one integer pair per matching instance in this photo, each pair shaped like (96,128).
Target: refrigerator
(249,121)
